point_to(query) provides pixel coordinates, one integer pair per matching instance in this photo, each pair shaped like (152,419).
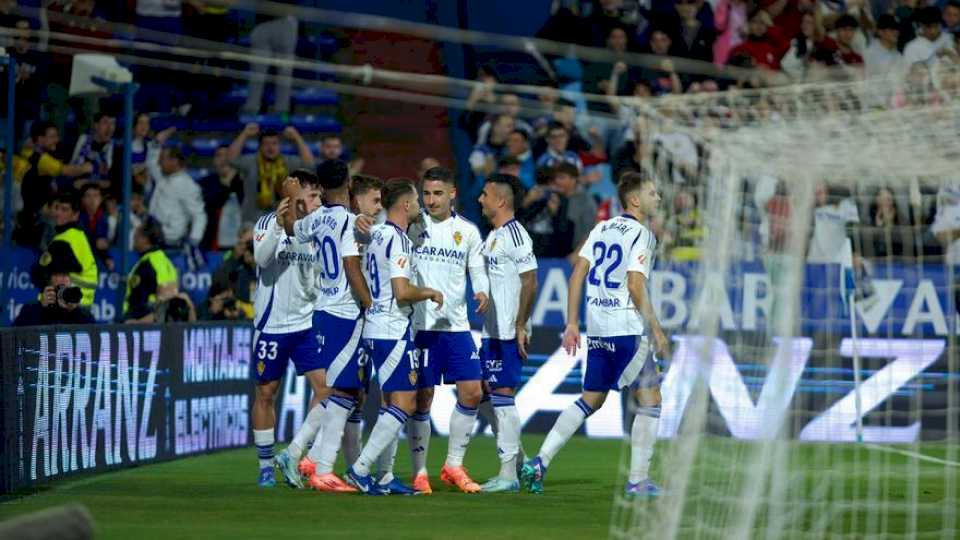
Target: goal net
(805,274)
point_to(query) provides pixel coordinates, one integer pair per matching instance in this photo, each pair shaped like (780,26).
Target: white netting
(760,418)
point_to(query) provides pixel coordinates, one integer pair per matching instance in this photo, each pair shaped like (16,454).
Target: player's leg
(502,368)
(386,480)
(353,431)
(272,353)
(418,427)
(462,364)
(311,425)
(310,430)
(397,364)
(600,377)
(643,435)
(264,421)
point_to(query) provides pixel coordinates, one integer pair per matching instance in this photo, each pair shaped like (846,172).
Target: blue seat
(197,174)
(266,121)
(315,96)
(206,146)
(310,123)
(159,123)
(217,124)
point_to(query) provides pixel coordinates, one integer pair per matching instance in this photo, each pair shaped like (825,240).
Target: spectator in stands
(93,218)
(565,114)
(483,159)
(153,279)
(482,97)
(264,172)
(58,304)
(764,48)
(138,212)
(223,199)
(97,148)
(559,211)
(932,43)
(509,106)
(518,148)
(812,37)
(272,38)
(946,222)
(426,164)
(834,211)
(633,156)
(610,14)
(886,235)
(690,37)
(597,76)
(665,79)
(177,202)
(238,272)
(883,61)
(685,231)
(32,75)
(38,182)
(846,31)
(69,251)
(951,17)
(731,24)
(557,149)
(142,137)
(331,148)
(221,305)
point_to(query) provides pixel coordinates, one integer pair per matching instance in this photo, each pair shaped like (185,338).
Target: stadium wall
(91,399)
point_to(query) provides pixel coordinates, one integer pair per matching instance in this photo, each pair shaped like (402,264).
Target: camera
(69,295)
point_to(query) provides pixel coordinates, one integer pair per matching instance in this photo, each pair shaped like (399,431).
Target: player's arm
(408,293)
(571,335)
(478,273)
(353,269)
(266,238)
(637,286)
(528,290)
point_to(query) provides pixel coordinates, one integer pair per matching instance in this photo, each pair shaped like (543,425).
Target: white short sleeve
(586,251)
(348,244)
(400,258)
(641,253)
(848,209)
(523,255)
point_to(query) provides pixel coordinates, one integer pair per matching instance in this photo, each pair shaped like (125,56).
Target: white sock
(385,462)
(327,443)
(309,430)
(462,422)
(263,440)
(567,424)
(487,412)
(508,438)
(352,435)
(418,437)
(642,438)
(385,432)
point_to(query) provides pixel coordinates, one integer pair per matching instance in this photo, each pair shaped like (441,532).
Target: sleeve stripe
(264,221)
(389,245)
(343,231)
(515,233)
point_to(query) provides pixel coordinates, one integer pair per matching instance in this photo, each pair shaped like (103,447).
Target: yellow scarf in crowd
(271,175)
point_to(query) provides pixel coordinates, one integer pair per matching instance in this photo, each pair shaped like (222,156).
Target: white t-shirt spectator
(948,218)
(830,231)
(882,67)
(921,49)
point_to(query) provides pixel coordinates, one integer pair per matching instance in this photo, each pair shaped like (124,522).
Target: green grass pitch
(216,497)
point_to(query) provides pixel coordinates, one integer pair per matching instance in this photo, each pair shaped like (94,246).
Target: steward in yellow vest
(69,252)
(153,279)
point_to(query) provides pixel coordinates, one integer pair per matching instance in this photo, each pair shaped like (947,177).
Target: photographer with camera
(59,304)
(153,279)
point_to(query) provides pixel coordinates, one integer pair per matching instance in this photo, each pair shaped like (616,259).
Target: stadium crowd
(189,198)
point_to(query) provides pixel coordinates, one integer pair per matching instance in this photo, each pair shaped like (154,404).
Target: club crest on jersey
(412,377)
(642,259)
(260,367)
(457,238)
(402,262)
(259,237)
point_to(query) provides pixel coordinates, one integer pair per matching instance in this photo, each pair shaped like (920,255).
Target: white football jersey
(442,254)
(616,246)
(286,279)
(508,252)
(387,256)
(330,229)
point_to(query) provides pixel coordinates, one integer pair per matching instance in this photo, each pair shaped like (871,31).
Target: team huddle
(358,282)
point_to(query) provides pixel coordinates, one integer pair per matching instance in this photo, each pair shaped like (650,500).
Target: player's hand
(437,298)
(483,302)
(523,340)
(283,209)
(571,339)
(662,343)
(364,224)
